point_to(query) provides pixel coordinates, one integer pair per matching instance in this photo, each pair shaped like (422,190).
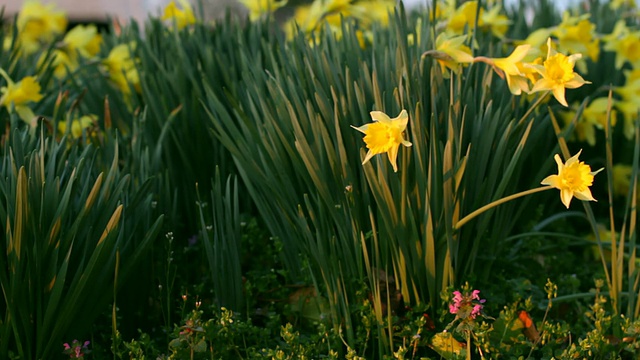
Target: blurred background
(99,11)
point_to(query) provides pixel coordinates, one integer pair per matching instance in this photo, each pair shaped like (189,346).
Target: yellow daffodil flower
(77,125)
(19,95)
(629,110)
(121,67)
(384,135)
(80,42)
(557,74)
(627,49)
(616,4)
(511,68)
(463,18)
(182,17)
(576,34)
(497,23)
(621,179)
(83,39)
(373,11)
(573,179)
(39,24)
(451,52)
(594,116)
(261,8)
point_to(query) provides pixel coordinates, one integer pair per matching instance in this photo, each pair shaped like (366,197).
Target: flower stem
(535,105)
(468,345)
(493,204)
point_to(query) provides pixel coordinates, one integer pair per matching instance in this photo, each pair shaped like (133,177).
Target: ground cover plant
(337,179)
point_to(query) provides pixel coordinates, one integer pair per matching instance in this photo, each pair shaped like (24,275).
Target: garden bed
(354,180)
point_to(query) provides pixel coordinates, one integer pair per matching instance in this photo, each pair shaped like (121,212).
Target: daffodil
(627,49)
(77,125)
(573,179)
(463,18)
(83,41)
(451,52)
(621,179)
(576,34)
(373,11)
(260,8)
(121,66)
(629,110)
(39,24)
(629,104)
(19,95)
(182,17)
(511,68)
(384,135)
(594,116)
(616,4)
(557,74)
(497,23)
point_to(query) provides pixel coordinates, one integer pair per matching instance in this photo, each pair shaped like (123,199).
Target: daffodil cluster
(312,18)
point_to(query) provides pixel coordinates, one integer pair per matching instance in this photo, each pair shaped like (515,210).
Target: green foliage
(231,121)
(67,217)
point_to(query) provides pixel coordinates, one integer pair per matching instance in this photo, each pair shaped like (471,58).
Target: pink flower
(76,350)
(467,305)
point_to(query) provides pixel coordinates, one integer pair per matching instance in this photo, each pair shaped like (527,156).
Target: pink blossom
(467,305)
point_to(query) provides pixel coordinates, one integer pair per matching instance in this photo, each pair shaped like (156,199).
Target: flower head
(80,42)
(557,74)
(38,23)
(19,95)
(511,68)
(24,91)
(121,66)
(76,350)
(182,17)
(573,179)
(78,125)
(451,52)
(260,8)
(384,135)
(466,306)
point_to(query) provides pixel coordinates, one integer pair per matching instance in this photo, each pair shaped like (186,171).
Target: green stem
(503,200)
(468,345)
(535,105)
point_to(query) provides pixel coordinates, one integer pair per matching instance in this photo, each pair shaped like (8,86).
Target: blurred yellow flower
(384,135)
(463,18)
(621,179)
(182,17)
(576,34)
(538,41)
(625,43)
(451,52)
(39,24)
(121,67)
(594,116)
(77,125)
(629,110)
(497,23)
(616,4)
(25,91)
(83,40)
(573,179)
(373,11)
(557,74)
(19,94)
(80,42)
(260,8)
